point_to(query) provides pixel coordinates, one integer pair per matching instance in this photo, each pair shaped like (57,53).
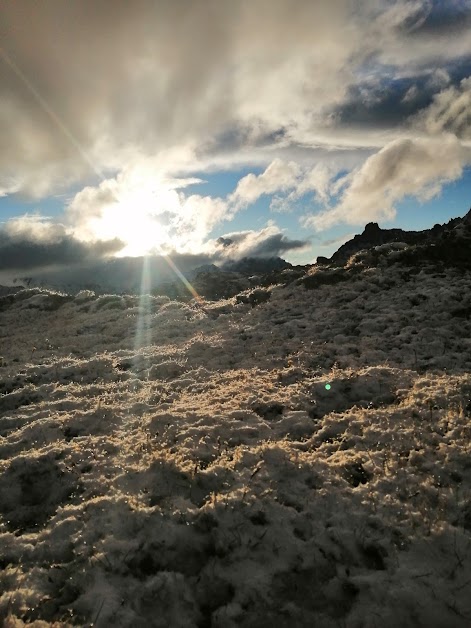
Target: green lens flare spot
(327,386)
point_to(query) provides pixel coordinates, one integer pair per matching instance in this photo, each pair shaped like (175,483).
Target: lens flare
(143,336)
(50,112)
(183,279)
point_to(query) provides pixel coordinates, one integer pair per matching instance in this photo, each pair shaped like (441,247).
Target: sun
(137,219)
(133,225)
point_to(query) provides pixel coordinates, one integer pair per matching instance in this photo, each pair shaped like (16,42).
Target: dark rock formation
(373,236)
(449,243)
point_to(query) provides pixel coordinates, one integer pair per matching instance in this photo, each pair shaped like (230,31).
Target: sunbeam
(143,335)
(183,279)
(50,112)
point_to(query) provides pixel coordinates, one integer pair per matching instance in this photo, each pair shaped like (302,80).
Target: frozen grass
(208,477)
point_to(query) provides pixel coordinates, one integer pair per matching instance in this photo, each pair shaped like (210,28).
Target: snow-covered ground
(304,462)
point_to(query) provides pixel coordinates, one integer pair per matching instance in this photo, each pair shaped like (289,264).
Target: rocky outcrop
(373,236)
(449,243)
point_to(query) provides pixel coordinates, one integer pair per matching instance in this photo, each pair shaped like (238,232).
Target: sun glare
(136,219)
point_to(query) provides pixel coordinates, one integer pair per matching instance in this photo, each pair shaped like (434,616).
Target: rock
(254,297)
(372,230)
(446,242)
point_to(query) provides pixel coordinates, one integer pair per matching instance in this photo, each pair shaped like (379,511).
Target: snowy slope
(304,462)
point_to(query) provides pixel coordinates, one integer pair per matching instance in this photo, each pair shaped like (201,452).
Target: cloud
(124,274)
(317,181)
(406,167)
(147,211)
(31,242)
(412,34)
(86,91)
(59,261)
(160,216)
(198,216)
(437,18)
(122,108)
(288,180)
(268,242)
(278,177)
(450,111)
(384,103)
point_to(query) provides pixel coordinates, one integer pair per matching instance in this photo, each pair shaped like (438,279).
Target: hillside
(295,455)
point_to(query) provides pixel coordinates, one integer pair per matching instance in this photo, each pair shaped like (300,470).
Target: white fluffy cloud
(34,228)
(287,180)
(316,180)
(147,212)
(278,177)
(406,167)
(197,217)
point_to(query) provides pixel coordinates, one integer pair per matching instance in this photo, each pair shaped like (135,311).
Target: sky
(212,130)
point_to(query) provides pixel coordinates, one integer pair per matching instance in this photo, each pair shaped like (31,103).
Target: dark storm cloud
(119,274)
(224,242)
(268,242)
(387,103)
(20,252)
(276,245)
(459,70)
(439,18)
(383,103)
(125,274)
(243,137)
(53,258)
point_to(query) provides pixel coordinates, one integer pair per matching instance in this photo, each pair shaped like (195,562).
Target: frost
(301,462)
(84,295)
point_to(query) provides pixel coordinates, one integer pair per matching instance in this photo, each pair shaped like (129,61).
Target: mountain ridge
(373,235)
(445,244)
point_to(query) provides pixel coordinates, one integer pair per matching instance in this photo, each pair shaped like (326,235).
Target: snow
(183,464)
